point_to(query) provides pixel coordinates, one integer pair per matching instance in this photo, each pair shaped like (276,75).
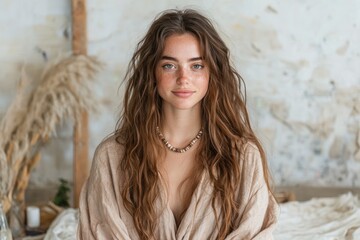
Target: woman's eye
(168,66)
(198,66)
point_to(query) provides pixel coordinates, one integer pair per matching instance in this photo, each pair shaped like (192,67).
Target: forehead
(182,45)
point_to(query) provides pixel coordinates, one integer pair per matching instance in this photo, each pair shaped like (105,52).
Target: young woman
(184,162)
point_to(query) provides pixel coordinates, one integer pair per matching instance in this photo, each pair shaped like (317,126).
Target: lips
(183,93)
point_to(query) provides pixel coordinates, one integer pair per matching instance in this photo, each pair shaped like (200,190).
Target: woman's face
(182,75)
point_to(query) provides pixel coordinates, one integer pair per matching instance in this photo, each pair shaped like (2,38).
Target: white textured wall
(300,60)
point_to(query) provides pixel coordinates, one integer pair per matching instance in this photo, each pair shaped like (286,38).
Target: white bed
(320,218)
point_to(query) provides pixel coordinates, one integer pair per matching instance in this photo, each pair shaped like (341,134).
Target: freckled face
(182,75)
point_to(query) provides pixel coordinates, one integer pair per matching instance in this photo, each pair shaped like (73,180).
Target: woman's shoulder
(247,148)
(252,166)
(109,150)
(105,170)
(250,155)
(251,147)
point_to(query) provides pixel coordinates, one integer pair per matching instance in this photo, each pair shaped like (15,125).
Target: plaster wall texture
(300,61)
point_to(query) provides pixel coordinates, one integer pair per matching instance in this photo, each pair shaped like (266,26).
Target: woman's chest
(178,174)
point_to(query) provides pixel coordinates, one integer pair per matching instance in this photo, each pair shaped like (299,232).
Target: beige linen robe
(103,215)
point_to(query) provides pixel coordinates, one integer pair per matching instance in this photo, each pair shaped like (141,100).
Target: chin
(185,106)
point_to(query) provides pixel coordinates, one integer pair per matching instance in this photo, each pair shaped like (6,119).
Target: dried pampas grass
(63,93)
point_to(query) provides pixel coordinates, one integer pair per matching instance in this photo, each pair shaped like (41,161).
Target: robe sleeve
(99,215)
(258,217)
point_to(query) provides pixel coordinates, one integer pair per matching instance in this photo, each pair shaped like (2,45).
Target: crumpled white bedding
(320,218)
(64,226)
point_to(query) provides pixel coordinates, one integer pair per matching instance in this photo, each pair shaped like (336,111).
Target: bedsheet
(333,218)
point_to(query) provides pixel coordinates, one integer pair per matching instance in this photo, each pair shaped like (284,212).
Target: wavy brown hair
(225,120)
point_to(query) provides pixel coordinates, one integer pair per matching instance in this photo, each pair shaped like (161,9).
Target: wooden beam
(79,27)
(81,129)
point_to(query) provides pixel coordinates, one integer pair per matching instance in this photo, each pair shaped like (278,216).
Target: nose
(183,76)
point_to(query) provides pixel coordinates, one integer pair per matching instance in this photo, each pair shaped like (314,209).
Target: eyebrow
(174,59)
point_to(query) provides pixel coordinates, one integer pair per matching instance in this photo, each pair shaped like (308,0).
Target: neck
(180,126)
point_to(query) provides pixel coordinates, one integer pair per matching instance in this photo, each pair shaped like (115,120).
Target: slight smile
(183,93)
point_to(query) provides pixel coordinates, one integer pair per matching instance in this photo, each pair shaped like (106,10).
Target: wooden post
(81,135)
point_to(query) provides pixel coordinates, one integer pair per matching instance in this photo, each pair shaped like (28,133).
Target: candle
(33,216)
